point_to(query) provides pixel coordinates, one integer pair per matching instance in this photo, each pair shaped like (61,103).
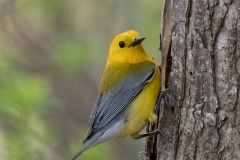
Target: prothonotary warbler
(128,93)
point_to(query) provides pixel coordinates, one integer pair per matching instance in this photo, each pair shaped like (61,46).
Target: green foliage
(72,55)
(27,138)
(22,96)
(21,93)
(16,145)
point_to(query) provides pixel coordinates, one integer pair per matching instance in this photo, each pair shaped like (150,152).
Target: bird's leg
(139,136)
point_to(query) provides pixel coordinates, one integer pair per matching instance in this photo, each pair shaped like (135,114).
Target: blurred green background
(52,56)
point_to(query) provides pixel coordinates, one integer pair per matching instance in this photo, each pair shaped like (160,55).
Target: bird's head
(126,47)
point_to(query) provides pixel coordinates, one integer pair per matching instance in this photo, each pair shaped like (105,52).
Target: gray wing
(110,104)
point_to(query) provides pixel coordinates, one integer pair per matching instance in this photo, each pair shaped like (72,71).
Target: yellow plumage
(141,110)
(128,92)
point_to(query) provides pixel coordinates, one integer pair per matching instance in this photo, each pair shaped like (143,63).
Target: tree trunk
(200,48)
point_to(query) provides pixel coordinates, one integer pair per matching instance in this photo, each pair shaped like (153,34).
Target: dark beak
(136,41)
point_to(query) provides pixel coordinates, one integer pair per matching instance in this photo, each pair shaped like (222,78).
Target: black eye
(121,44)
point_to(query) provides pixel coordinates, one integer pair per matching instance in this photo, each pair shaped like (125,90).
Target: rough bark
(200,47)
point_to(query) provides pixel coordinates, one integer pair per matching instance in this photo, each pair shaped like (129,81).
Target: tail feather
(88,143)
(109,132)
(79,153)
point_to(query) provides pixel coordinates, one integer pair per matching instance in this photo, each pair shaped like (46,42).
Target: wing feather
(109,104)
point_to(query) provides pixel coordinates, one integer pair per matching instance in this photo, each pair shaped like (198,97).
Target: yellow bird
(128,93)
